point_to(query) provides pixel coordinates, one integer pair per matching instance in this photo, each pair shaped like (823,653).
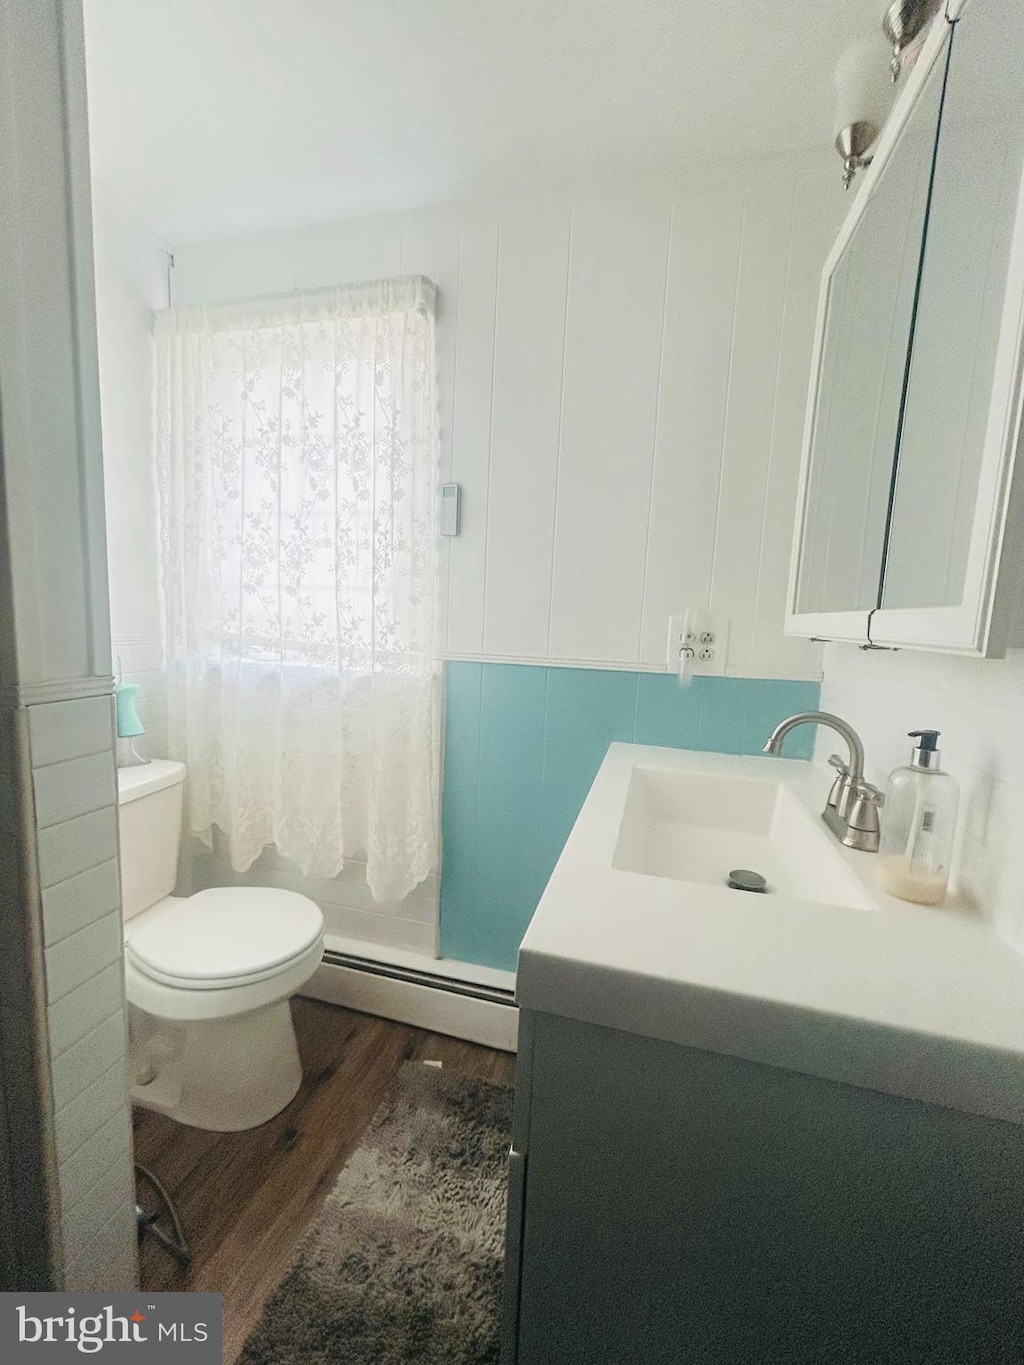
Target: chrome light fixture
(902,23)
(862,101)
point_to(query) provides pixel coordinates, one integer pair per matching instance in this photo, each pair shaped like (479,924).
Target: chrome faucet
(851,811)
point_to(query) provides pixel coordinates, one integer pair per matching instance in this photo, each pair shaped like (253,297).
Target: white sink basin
(699,827)
(825,975)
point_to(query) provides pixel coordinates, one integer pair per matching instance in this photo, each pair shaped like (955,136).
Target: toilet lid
(224,935)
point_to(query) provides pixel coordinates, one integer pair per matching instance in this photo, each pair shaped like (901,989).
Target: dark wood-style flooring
(246,1198)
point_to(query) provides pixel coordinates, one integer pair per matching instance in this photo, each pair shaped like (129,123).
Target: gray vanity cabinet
(675,1206)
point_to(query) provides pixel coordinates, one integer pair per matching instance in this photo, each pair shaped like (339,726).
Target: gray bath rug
(404,1262)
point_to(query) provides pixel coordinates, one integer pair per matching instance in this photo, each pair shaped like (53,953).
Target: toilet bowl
(208,977)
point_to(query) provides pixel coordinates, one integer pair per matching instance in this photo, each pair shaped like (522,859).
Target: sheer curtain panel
(296,448)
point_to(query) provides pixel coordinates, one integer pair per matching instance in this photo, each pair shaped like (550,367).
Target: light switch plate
(450,500)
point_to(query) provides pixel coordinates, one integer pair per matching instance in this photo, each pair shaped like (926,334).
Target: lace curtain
(296,461)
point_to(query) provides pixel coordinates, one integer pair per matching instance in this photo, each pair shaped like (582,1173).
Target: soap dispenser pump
(918,825)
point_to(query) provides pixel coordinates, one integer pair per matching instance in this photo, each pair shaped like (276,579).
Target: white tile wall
(978,704)
(74,793)
(107,1261)
(79,844)
(80,1011)
(69,729)
(89,1162)
(83,1063)
(622,379)
(75,959)
(70,905)
(79,1118)
(63,791)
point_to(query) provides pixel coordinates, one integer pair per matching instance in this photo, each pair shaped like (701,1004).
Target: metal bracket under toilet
(173,1241)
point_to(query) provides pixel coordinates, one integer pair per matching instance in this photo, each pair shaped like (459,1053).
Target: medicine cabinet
(910,523)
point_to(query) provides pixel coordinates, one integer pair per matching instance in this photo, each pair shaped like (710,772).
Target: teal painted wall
(522,746)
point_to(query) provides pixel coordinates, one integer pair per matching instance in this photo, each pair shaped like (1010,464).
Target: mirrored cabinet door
(964,279)
(910,528)
(870,294)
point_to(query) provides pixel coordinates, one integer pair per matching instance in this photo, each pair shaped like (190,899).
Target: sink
(699,827)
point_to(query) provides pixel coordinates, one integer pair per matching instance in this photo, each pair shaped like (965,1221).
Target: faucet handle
(838,790)
(862,826)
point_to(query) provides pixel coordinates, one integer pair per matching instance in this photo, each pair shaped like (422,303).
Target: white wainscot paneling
(526,406)
(692,403)
(471,429)
(614,326)
(622,374)
(768,214)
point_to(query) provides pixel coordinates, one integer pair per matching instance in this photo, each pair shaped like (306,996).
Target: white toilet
(208,977)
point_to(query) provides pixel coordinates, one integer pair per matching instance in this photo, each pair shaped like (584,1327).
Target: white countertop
(921,1002)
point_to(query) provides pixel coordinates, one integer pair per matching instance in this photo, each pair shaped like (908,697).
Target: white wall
(622,379)
(131,283)
(978,704)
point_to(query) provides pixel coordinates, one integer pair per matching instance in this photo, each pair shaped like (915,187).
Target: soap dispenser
(918,824)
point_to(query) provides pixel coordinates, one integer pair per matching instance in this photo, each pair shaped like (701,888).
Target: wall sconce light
(862,101)
(902,22)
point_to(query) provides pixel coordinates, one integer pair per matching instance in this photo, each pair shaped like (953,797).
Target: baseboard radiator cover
(441,1004)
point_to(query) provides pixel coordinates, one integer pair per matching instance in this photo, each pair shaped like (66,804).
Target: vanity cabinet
(671,1206)
(910,525)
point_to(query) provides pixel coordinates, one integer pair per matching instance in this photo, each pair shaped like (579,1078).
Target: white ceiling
(217,117)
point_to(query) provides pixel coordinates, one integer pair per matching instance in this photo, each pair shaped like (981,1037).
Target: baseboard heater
(410,995)
(432,980)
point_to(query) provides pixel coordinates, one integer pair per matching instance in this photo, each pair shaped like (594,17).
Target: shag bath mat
(404,1262)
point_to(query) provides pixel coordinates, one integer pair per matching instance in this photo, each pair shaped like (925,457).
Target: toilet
(208,977)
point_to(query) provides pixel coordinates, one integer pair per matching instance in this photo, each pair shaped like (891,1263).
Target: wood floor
(246,1198)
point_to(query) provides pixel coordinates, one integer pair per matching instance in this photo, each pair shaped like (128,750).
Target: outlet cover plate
(690,630)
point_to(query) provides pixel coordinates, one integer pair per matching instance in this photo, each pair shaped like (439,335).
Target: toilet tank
(149,801)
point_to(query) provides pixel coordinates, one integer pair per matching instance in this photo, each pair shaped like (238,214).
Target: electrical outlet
(702,638)
(681,636)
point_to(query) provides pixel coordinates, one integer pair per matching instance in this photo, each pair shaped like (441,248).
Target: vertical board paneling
(529,349)
(587,708)
(810,240)
(760,301)
(509,798)
(694,389)
(617,277)
(471,430)
(662,471)
(460,816)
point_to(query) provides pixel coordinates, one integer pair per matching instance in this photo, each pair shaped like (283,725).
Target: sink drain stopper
(742,879)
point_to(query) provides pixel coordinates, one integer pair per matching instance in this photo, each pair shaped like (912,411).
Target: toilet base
(224,1075)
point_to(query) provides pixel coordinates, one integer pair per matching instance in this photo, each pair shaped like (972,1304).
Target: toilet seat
(224,937)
